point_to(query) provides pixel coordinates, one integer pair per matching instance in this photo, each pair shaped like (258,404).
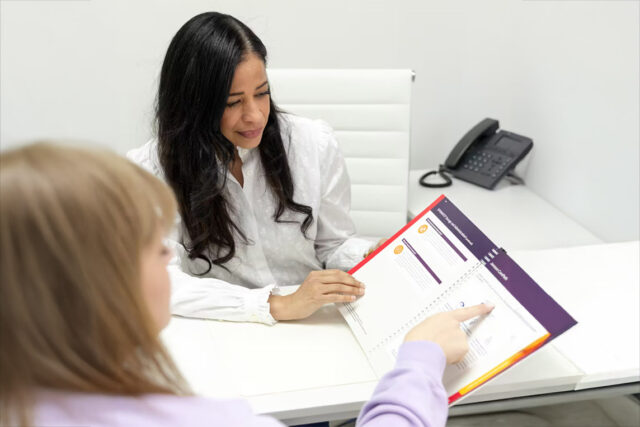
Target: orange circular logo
(398,249)
(423,228)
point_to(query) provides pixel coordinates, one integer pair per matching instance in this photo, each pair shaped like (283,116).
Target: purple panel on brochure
(532,297)
(470,235)
(446,239)
(421,261)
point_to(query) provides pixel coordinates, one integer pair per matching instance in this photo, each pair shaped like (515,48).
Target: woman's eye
(261,94)
(234,103)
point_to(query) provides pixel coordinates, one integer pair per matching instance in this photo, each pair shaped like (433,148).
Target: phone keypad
(485,163)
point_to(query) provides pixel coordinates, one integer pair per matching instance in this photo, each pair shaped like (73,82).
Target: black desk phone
(483,156)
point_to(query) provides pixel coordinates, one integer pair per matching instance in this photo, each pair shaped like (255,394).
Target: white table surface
(513,216)
(600,287)
(314,369)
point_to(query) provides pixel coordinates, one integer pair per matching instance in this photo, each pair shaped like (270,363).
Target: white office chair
(370,113)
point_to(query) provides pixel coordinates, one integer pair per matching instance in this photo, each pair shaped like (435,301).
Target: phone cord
(442,170)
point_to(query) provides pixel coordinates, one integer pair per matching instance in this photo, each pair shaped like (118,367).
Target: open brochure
(441,261)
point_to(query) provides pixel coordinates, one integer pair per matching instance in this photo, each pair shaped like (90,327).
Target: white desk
(599,286)
(314,369)
(511,215)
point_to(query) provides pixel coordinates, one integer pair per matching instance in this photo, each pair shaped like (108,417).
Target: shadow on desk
(327,315)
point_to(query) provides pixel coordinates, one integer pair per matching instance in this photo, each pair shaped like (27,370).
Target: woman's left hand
(319,288)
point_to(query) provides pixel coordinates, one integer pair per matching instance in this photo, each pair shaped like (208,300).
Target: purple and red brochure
(441,261)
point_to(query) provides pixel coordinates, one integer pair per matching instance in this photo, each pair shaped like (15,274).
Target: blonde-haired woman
(84,292)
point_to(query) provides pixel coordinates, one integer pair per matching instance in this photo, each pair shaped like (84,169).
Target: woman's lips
(250,134)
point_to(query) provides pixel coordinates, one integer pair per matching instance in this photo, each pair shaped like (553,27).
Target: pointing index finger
(463,314)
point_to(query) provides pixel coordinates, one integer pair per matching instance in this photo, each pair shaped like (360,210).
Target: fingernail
(361,284)
(352,298)
(489,304)
(361,291)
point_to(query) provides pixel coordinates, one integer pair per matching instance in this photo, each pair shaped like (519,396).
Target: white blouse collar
(244,153)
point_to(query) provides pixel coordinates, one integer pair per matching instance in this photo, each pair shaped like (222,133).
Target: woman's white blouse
(274,254)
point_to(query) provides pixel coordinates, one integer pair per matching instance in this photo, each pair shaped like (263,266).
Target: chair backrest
(369,111)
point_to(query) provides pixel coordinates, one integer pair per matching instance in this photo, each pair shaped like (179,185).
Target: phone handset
(483,129)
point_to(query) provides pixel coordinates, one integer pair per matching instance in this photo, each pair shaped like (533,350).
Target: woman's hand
(319,288)
(373,248)
(444,330)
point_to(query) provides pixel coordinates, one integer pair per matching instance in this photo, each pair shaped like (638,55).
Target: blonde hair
(73,224)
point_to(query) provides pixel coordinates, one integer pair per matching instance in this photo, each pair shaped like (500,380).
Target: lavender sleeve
(412,393)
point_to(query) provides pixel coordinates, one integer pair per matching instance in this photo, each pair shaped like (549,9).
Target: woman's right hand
(319,288)
(444,329)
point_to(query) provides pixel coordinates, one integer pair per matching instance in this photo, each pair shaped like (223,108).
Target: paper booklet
(441,261)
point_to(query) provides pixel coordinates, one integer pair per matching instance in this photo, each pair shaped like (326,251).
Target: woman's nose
(251,111)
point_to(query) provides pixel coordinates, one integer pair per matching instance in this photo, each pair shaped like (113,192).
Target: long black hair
(195,80)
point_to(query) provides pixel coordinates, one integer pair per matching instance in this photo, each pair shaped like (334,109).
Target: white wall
(562,72)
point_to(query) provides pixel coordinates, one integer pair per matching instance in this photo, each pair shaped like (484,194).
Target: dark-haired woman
(263,195)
